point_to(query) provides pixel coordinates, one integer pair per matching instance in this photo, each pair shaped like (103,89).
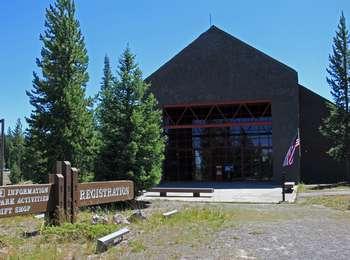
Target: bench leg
(196,194)
(162,194)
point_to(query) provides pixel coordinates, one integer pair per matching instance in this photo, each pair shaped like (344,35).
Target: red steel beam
(212,103)
(227,124)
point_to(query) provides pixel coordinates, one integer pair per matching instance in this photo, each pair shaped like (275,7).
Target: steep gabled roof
(216,32)
(216,60)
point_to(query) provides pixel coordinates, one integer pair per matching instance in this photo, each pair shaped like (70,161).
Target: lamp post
(2,151)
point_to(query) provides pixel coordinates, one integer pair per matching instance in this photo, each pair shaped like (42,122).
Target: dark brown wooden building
(231,112)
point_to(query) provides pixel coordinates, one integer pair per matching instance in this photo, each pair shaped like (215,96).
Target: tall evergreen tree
(61,124)
(133,143)
(337,126)
(105,97)
(7,147)
(16,152)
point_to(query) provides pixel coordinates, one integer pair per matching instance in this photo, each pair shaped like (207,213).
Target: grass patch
(192,226)
(323,187)
(78,231)
(137,246)
(335,202)
(302,187)
(189,228)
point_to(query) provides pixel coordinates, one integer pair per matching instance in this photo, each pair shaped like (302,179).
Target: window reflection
(202,140)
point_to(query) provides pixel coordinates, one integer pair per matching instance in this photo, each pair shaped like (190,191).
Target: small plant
(301,187)
(336,202)
(137,246)
(78,231)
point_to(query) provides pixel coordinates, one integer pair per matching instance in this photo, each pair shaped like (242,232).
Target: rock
(104,219)
(96,219)
(120,219)
(137,216)
(31,233)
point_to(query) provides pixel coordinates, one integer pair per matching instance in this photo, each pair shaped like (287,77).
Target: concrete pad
(240,192)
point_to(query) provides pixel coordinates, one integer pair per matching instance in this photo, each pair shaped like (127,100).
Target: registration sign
(93,193)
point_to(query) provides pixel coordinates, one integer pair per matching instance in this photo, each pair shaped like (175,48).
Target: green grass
(78,231)
(325,187)
(192,226)
(302,187)
(335,202)
(137,246)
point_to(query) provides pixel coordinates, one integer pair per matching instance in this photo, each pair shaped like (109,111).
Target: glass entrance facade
(218,142)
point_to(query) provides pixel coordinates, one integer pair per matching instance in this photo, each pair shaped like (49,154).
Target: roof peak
(214,27)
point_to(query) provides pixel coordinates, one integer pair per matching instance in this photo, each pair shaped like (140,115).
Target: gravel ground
(308,233)
(299,232)
(288,231)
(324,193)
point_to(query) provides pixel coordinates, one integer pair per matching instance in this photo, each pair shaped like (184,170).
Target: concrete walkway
(240,192)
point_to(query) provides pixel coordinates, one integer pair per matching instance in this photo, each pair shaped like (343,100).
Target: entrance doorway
(236,138)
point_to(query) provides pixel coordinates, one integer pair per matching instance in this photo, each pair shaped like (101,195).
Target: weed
(337,202)
(301,187)
(78,231)
(137,246)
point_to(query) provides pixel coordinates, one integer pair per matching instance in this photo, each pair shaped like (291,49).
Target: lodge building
(230,112)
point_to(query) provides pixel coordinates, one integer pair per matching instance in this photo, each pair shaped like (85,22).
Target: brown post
(51,178)
(75,195)
(56,215)
(67,175)
(59,194)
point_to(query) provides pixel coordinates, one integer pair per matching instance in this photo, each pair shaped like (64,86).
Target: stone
(96,219)
(137,216)
(31,233)
(120,219)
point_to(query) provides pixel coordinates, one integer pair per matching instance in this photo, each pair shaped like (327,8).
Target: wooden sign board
(62,197)
(24,199)
(93,193)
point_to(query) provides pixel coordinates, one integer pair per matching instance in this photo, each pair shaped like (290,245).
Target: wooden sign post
(62,196)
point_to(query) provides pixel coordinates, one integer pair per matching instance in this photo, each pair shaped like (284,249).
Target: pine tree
(336,126)
(7,147)
(16,152)
(34,160)
(61,123)
(105,97)
(133,143)
(105,113)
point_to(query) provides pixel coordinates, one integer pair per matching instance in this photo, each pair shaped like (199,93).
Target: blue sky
(296,32)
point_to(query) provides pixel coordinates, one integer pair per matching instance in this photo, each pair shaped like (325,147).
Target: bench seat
(196,191)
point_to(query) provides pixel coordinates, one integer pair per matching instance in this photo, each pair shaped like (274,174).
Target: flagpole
(299,143)
(283,186)
(299,162)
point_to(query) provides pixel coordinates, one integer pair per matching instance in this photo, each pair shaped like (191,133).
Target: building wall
(219,67)
(316,165)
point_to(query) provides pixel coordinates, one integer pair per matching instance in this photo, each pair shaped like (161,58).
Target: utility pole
(2,152)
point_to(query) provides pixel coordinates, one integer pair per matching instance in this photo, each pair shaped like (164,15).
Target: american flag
(289,159)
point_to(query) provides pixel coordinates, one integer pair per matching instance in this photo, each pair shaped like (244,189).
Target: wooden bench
(104,242)
(289,186)
(196,191)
